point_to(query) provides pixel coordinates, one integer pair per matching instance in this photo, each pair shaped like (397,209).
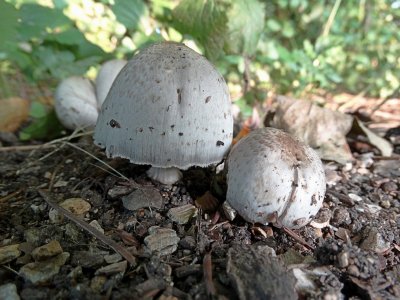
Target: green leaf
(129,12)
(206,21)
(36,20)
(44,128)
(246,23)
(38,110)
(8,25)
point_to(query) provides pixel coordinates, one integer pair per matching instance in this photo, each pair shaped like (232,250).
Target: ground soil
(349,251)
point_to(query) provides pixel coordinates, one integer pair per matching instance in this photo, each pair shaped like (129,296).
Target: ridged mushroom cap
(168,107)
(273,175)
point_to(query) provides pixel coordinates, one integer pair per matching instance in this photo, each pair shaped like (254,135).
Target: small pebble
(46,251)
(353,271)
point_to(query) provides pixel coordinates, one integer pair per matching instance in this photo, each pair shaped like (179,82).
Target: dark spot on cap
(151,129)
(220,143)
(208,99)
(172,127)
(114,124)
(180,133)
(140,129)
(163,133)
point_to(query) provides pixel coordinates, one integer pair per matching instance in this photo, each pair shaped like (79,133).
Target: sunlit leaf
(246,23)
(206,21)
(129,12)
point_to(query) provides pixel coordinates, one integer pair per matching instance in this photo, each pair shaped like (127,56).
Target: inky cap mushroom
(169,108)
(273,177)
(107,73)
(75,103)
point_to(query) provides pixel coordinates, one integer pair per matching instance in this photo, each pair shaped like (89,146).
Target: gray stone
(8,291)
(142,198)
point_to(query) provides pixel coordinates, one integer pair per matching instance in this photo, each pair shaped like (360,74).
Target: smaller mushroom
(105,78)
(76,104)
(275,178)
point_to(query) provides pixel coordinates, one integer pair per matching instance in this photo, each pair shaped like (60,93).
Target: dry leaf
(383,145)
(323,129)
(14,111)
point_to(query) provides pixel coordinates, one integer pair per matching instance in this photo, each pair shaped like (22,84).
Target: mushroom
(75,103)
(107,73)
(273,177)
(169,108)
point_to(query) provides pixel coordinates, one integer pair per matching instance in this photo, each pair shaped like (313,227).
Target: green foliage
(45,124)
(203,20)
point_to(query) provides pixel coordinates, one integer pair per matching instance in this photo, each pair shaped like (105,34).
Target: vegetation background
(297,47)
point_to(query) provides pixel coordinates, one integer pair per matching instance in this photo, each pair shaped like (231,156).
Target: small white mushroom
(273,177)
(75,103)
(169,108)
(106,76)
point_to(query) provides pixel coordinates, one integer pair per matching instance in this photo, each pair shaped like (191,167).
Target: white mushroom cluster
(273,177)
(168,108)
(78,101)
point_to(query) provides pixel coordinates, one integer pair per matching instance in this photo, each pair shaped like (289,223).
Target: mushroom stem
(165,175)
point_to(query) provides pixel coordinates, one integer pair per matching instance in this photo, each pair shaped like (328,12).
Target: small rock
(55,217)
(96,225)
(43,271)
(355,197)
(353,271)
(77,206)
(340,216)
(8,291)
(385,203)
(375,242)
(46,251)
(97,283)
(87,259)
(32,235)
(343,259)
(229,211)
(113,258)
(389,186)
(188,242)
(161,240)
(182,214)
(119,190)
(9,253)
(60,183)
(143,197)
(119,267)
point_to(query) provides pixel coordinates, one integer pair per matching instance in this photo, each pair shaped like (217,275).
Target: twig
(26,147)
(207,273)
(294,235)
(93,231)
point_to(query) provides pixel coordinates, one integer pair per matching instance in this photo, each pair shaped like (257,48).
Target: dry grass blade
(98,159)
(106,240)
(207,273)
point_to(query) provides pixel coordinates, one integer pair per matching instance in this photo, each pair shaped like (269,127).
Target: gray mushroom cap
(168,107)
(272,176)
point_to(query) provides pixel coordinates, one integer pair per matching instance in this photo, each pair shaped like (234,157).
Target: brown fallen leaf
(14,111)
(322,129)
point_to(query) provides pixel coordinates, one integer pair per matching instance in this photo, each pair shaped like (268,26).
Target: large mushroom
(168,108)
(273,177)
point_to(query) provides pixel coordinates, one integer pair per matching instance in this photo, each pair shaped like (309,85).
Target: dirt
(349,251)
